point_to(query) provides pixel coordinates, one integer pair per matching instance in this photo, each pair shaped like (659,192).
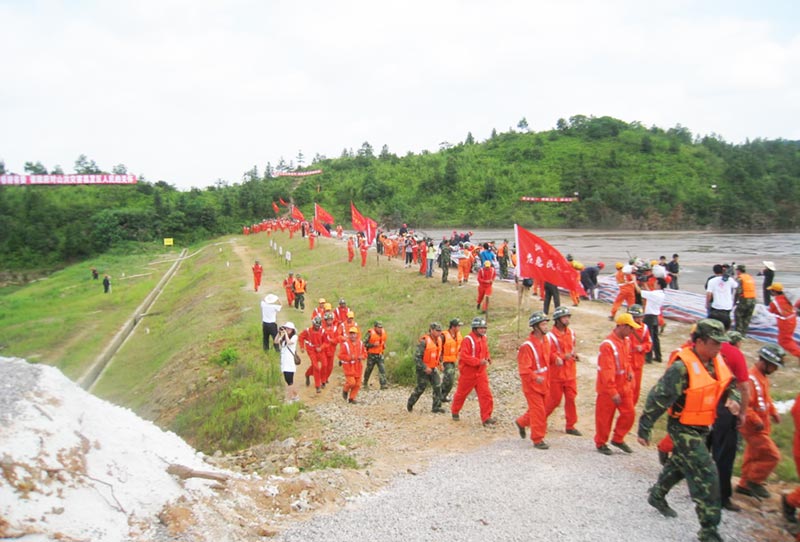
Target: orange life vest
(299,286)
(378,340)
(748,286)
(704,391)
(432,351)
(451,346)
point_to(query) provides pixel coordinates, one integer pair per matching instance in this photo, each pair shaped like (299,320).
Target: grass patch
(322,457)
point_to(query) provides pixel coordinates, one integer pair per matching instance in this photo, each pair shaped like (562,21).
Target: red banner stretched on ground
(103,178)
(551,200)
(538,260)
(322,214)
(275,208)
(363,223)
(283,202)
(320,227)
(296,213)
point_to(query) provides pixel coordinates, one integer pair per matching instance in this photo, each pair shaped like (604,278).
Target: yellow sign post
(167,241)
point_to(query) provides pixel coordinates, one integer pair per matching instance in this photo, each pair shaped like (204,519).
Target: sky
(195,91)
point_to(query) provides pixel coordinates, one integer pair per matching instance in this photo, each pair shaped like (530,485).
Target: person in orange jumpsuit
(626,281)
(641,344)
(340,314)
(339,231)
(351,357)
(791,502)
(786,314)
(331,331)
(533,364)
(312,236)
(614,390)
(452,345)
(288,286)
(486,276)
(257,271)
(362,248)
(465,265)
(761,455)
(320,309)
(563,372)
(348,324)
(423,257)
(351,251)
(312,340)
(578,267)
(473,360)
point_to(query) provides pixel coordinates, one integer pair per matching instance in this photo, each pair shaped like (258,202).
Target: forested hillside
(625,175)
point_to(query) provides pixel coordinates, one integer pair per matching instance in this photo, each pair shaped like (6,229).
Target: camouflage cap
(772,353)
(711,329)
(735,337)
(436,326)
(456,322)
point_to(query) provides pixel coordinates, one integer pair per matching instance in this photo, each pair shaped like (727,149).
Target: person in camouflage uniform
(444,259)
(427,360)
(691,458)
(503,257)
(375,343)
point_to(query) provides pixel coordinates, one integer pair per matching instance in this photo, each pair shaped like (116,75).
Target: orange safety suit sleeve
(606,371)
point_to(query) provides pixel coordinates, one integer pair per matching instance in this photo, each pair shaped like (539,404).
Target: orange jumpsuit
(362,248)
(473,375)
(288,283)
(614,377)
(787,321)
(641,344)
(352,355)
(464,267)
(423,258)
(761,456)
(331,340)
(312,340)
(627,291)
(486,276)
(794,497)
(533,359)
(311,237)
(351,252)
(257,271)
(564,377)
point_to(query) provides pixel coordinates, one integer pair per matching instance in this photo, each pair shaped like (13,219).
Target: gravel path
(509,491)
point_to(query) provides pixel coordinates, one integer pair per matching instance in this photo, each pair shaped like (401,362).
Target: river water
(698,251)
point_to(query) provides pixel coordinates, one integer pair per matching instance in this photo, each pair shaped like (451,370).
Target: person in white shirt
(720,294)
(652,311)
(286,342)
(270,307)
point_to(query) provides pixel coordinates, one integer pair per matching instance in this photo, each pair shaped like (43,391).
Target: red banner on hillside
(275,208)
(67,179)
(322,214)
(296,213)
(363,223)
(552,200)
(320,227)
(298,173)
(538,260)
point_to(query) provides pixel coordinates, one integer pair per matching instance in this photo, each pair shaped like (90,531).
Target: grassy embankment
(195,363)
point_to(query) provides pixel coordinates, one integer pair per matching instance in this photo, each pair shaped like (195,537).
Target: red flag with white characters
(275,208)
(363,223)
(538,260)
(322,214)
(321,229)
(296,213)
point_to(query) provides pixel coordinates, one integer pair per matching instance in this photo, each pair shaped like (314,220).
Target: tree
(366,151)
(35,168)
(2,167)
(119,169)
(561,125)
(469,140)
(523,124)
(385,154)
(301,159)
(494,134)
(84,166)
(57,170)
(647,144)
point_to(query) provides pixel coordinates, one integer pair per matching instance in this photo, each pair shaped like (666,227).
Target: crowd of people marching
(709,395)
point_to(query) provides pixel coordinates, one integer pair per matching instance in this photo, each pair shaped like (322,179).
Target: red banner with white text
(363,223)
(12,179)
(322,214)
(538,260)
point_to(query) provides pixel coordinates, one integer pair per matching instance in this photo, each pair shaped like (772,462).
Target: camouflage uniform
(691,458)
(744,313)
(444,259)
(448,378)
(423,379)
(503,261)
(372,360)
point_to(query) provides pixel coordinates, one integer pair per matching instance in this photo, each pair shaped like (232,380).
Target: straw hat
(270,298)
(769,265)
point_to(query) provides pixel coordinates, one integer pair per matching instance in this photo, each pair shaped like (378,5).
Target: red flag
(296,213)
(363,223)
(322,214)
(538,260)
(283,202)
(320,227)
(275,208)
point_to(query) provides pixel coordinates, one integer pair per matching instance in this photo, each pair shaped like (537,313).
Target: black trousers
(651,321)
(723,441)
(269,332)
(551,292)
